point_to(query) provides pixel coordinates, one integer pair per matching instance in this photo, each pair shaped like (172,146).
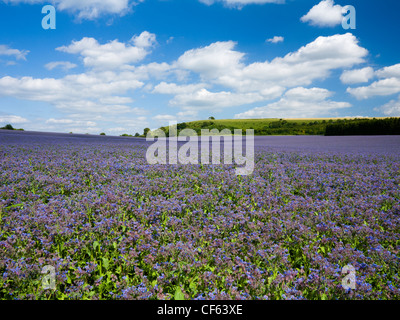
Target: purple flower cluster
(115,227)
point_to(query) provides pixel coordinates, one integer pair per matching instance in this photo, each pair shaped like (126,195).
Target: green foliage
(389,126)
(145,131)
(322,126)
(179,294)
(102,134)
(10,127)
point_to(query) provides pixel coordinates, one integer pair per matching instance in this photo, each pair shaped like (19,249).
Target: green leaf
(106,263)
(193,286)
(15,206)
(95,245)
(179,294)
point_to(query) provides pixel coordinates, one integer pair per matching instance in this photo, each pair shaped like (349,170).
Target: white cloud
(113,54)
(391,109)
(324,14)
(221,64)
(98,90)
(91,92)
(210,100)
(87,9)
(65,65)
(94,124)
(17,54)
(298,103)
(173,88)
(276,39)
(144,40)
(390,84)
(207,78)
(165,117)
(187,114)
(383,87)
(195,96)
(357,76)
(71,122)
(240,3)
(389,72)
(12,119)
(214,60)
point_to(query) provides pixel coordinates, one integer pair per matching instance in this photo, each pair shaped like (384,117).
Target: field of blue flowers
(115,227)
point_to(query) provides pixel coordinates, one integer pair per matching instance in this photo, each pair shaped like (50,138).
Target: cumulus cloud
(113,54)
(240,3)
(64,65)
(164,117)
(298,102)
(221,64)
(102,89)
(71,122)
(74,93)
(144,40)
(193,97)
(324,14)
(389,72)
(214,60)
(276,39)
(357,76)
(87,9)
(173,88)
(211,100)
(223,78)
(94,124)
(388,85)
(383,87)
(12,119)
(391,109)
(17,54)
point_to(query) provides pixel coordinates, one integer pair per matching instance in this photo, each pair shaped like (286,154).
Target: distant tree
(8,127)
(137,134)
(181,126)
(145,131)
(211,118)
(102,134)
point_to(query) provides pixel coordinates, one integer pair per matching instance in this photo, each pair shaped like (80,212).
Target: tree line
(389,126)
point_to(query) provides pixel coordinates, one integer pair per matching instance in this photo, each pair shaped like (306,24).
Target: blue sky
(118,66)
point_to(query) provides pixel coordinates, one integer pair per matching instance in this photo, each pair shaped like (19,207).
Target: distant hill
(275,126)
